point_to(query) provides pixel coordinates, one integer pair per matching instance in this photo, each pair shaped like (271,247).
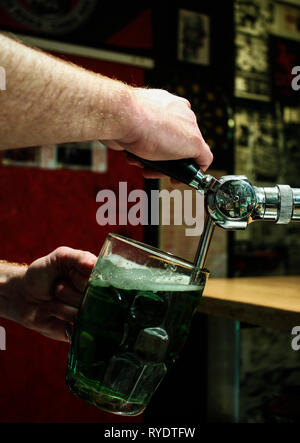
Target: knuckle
(197,140)
(62,252)
(27,317)
(59,290)
(187,102)
(210,156)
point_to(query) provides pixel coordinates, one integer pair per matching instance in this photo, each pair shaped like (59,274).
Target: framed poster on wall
(193,37)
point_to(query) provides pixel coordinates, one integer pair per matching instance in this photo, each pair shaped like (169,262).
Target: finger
(57,330)
(85,263)
(205,158)
(68,295)
(133,161)
(78,280)
(181,103)
(186,102)
(61,311)
(66,258)
(150,173)
(112,145)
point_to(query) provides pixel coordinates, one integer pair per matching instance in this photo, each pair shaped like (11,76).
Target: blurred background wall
(233,61)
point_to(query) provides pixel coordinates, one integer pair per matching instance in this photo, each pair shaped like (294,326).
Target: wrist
(109,109)
(11,278)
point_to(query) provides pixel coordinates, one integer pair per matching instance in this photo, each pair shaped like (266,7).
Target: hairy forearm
(50,101)
(10,273)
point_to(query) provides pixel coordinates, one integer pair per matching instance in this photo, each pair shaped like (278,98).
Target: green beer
(130,328)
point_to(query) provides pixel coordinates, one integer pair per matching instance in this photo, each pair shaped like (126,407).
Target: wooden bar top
(272,302)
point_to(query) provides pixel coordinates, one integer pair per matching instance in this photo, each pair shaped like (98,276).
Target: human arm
(49,101)
(46,295)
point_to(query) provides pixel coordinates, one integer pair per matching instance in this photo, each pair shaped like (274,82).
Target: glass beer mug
(133,321)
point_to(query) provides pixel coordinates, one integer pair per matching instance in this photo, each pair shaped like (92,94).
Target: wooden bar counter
(272,302)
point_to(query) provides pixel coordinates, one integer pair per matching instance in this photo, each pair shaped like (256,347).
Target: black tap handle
(186,170)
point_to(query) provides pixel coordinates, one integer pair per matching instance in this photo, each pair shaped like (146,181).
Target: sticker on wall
(242,158)
(257,145)
(29,157)
(99,157)
(254,16)
(74,155)
(193,37)
(90,156)
(252,79)
(287,21)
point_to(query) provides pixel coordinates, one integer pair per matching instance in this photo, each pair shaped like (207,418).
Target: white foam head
(125,274)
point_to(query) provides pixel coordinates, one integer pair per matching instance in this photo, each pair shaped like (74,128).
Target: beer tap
(231,202)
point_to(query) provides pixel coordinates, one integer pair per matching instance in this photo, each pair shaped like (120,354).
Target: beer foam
(126,274)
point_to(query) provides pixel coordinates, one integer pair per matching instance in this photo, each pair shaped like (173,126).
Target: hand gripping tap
(231,202)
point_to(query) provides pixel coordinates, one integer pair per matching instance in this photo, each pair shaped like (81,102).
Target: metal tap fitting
(280,204)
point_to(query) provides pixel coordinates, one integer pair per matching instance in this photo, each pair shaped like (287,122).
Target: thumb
(65,258)
(73,265)
(205,158)
(78,280)
(81,268)
(84,262)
